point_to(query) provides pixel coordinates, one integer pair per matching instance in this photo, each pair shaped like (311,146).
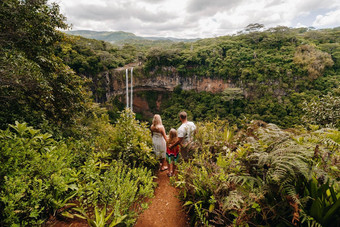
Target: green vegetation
(89,57)
(36,86)
(207,106)
(111,37)
(263,57)
(40,176)
(274,71)
(121,37)
(277,70)
(67,159)
(262,176)
(323,111)
(63,155)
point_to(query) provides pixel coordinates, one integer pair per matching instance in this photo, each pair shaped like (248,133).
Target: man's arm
(179,141)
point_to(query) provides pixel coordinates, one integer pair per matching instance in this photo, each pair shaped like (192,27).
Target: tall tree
(35,85)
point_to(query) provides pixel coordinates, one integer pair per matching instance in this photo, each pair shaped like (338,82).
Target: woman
(158,140)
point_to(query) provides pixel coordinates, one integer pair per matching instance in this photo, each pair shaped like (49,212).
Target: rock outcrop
(162,81)
(167,80)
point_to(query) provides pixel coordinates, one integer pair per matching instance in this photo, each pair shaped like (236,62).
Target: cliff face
(167,80)
(163,81)
(160,83)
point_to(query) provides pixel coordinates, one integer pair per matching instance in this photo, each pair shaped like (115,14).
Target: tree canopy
(36,86)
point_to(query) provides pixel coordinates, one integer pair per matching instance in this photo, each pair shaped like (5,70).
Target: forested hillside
(36,86)
(59,155)
(66,157)
(275,71)
(120,36)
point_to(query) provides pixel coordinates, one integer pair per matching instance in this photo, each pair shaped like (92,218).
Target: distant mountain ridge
(121,36)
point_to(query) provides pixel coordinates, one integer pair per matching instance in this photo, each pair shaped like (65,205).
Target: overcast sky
(196,18)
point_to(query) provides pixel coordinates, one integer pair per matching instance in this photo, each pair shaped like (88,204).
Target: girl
(172,154)
(158,140)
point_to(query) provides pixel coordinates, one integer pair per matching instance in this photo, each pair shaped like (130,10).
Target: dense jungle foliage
(277,70)
(274,71)
(68,160)
(262,176)
(63,155)
(102,177)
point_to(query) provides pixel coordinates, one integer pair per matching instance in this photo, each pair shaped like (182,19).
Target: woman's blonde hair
(172,136)
(156,121)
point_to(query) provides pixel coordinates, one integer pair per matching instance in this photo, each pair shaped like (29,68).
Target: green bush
(262,175)
(324,111)
(323,205)
(40,176)
(35,175)
(132,141)
(116,186)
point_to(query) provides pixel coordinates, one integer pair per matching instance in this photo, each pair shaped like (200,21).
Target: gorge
(161,83)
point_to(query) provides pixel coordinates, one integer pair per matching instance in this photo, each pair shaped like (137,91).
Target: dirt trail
(165,208)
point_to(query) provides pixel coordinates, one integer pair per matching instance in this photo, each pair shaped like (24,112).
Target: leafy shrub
(116,186)
(35,175)
(40,176)
(323,205)
(127,140)
(36,86)
(132,141)
(324,111)
(261,176)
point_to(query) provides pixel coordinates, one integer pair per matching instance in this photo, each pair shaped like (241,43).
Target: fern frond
(201,214)
(233,201)
(331,144)
(245,179)
(311,222)
(289,190)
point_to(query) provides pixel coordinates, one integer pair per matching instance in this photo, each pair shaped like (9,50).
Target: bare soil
(165,208)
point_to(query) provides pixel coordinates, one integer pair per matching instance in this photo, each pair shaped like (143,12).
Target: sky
(196,18)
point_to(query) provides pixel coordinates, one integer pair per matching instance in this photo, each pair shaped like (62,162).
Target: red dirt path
(165,208)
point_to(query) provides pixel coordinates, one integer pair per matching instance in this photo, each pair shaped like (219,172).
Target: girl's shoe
(162,168)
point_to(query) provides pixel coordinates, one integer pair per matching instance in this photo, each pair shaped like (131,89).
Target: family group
(167,147)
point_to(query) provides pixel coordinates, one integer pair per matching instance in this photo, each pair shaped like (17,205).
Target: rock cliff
(160,82)
(166,80)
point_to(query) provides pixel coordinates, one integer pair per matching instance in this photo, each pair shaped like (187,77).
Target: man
(185,133)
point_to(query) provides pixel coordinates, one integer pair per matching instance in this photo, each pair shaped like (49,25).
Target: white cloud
(196,18)
(331,19)
(299,25)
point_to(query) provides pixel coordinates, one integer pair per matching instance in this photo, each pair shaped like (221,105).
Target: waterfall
(129,103)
